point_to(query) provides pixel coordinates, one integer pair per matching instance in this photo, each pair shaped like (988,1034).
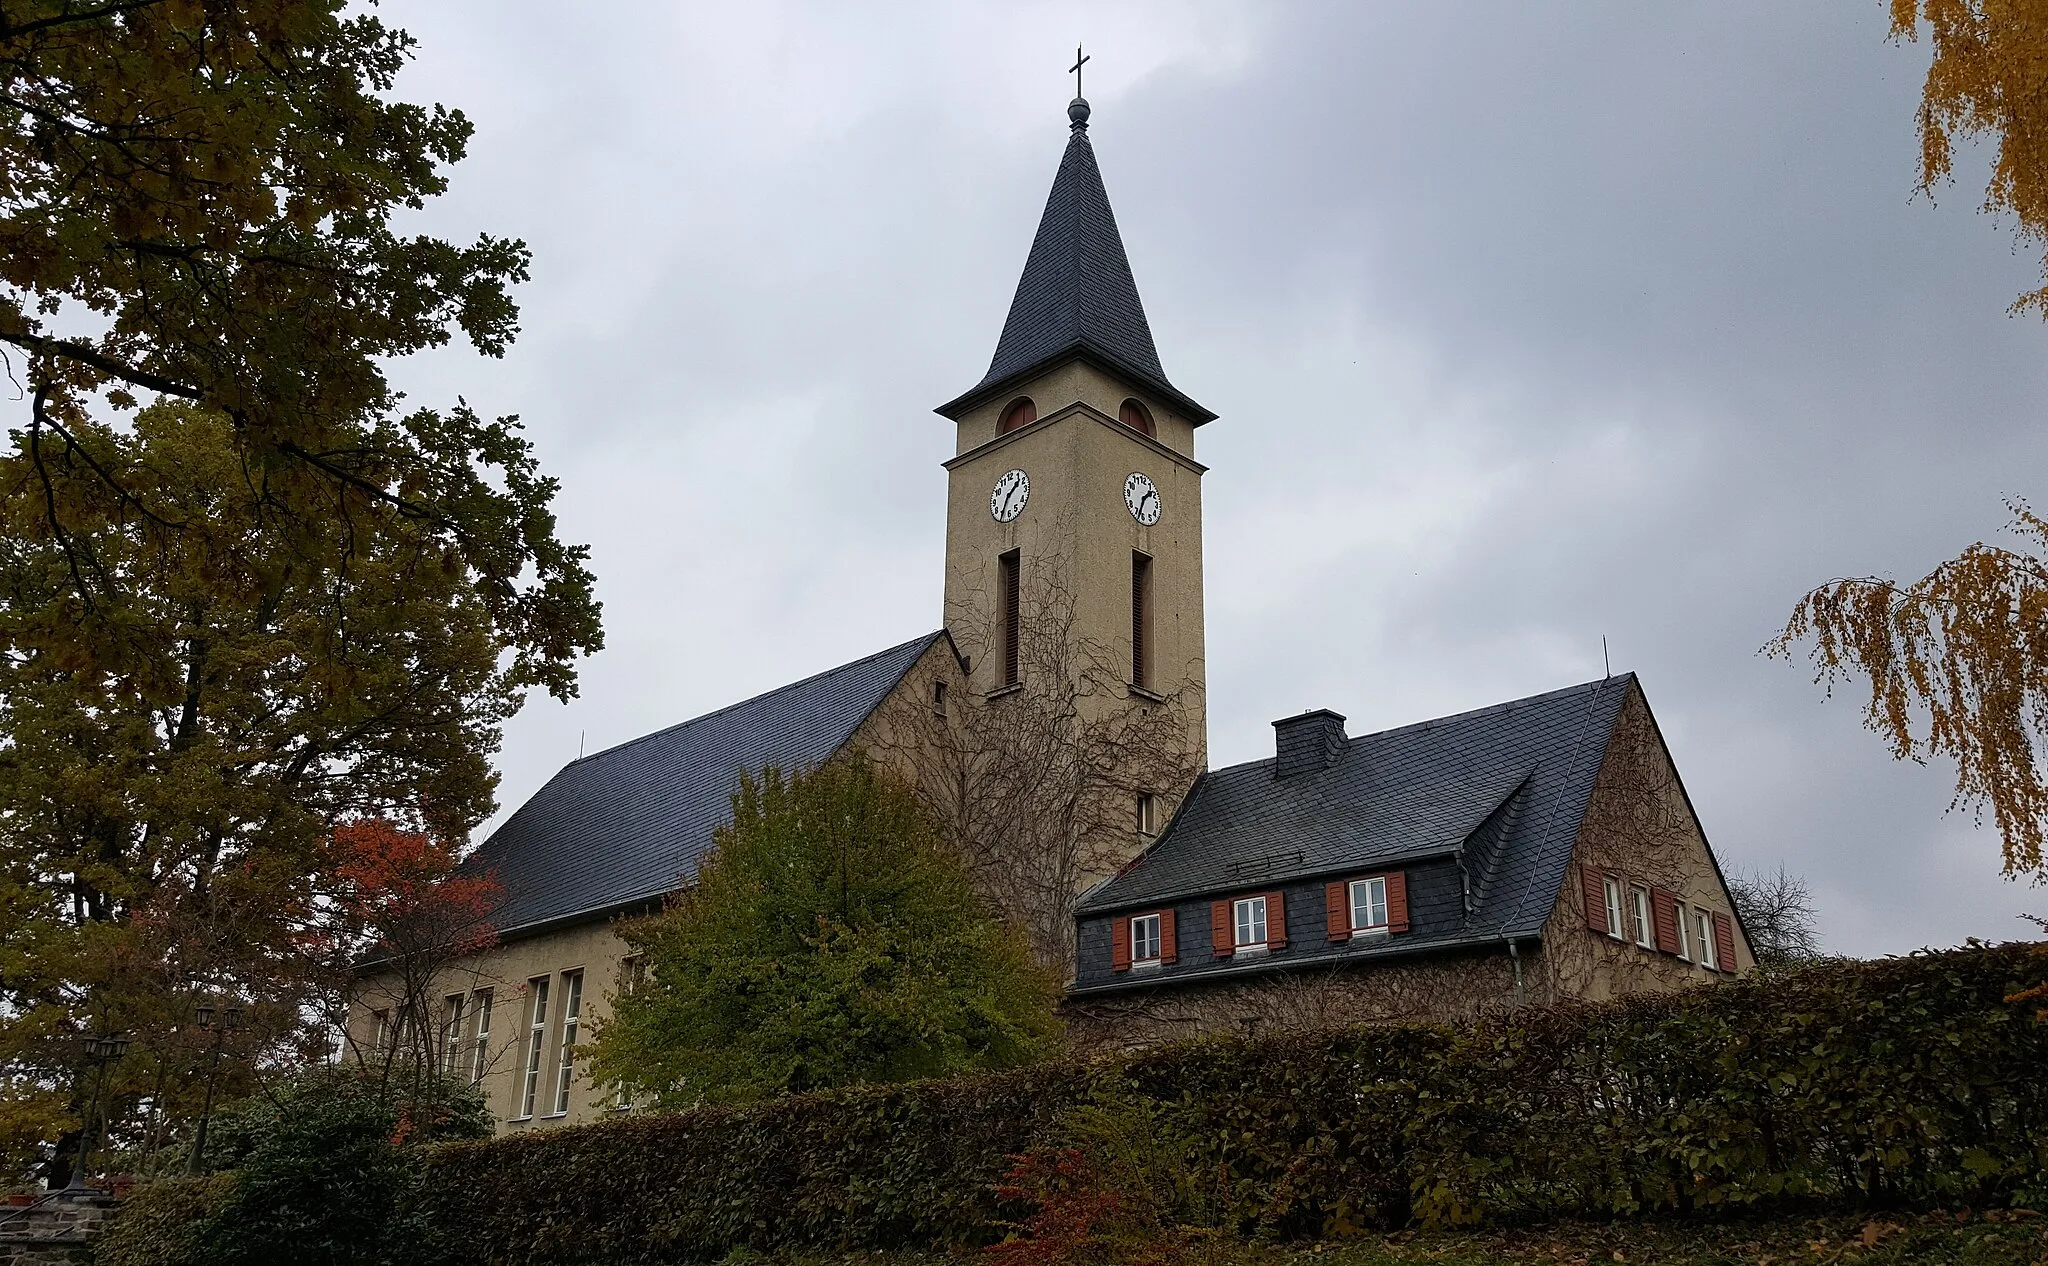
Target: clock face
(1012,491)
(1142,499)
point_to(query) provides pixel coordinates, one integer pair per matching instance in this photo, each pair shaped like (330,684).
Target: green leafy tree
(244,596)
(171,762)
(831,939)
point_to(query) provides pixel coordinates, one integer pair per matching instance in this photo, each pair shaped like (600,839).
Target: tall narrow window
(1639,899)
(1013,652)
(536,1044)
(482,1063)
(383,1038)
(572,1014)
(1684,950)
(1709,957)
(1136,416)
(1021,412)
(1614,914)
(939,698)
(1148,813)
(451,1034)
(1141,620)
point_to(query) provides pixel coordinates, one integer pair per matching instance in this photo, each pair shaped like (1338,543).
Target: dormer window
(1022,412)
(1136,416)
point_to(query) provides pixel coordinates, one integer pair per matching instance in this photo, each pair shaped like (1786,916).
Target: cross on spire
(1075,69)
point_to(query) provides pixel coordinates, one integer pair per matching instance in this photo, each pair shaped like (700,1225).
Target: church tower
(1074,511)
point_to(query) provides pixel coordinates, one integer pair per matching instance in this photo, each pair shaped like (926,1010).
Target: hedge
(1903,1082)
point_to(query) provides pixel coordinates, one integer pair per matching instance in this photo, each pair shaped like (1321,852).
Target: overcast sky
(1526,325)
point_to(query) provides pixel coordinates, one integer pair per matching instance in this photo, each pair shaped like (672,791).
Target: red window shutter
(1595,885)
(1120,945)
(1222,937)
(1664,920)
(1337,910)
(1724,942)
(1276,920)
(1169,948)
(1397,901)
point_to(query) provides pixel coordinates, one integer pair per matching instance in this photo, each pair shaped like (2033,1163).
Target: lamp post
(102,1052)
(218,1022)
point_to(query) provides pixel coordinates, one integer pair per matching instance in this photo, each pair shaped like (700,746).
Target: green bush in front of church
(831,939)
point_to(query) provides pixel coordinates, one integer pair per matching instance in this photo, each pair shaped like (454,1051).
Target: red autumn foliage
(401,891)
(1079,1217)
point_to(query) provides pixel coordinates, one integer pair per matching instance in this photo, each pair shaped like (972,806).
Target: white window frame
(536,1044)
(572,1018)
(1684,933)
(451,1033)
(1617,917)
(1145,928)
(1369,904)
(1248,916)
(1148,813)
(481,1060)
(1710,953)
(1639,907)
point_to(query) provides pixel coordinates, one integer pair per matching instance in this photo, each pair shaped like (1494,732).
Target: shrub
(324,1172)
(1911,1082)
(162,1223)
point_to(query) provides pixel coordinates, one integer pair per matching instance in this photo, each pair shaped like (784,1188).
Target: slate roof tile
(1077,293)
(1511,782)
(629,824)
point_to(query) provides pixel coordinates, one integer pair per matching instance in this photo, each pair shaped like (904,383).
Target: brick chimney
(1308,743)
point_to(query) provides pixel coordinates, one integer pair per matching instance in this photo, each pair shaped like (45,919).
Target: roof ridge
(927,639)
(1489,710)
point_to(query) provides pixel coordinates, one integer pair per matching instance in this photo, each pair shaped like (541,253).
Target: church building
(1537,850)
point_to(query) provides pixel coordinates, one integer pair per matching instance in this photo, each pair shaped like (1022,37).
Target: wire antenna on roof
(1606,667)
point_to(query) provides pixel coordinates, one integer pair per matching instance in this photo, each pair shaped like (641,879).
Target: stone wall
(53,1231)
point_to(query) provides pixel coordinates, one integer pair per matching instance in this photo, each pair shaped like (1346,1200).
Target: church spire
(1077,297)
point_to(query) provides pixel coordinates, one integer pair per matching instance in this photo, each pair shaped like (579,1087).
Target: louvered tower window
(1012,620)
(1141,621)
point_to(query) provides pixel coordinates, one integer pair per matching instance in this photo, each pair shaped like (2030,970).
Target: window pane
(1145,938)
(1641,900)
(483,1035)
(1368,904)
(572,1013)
(536,1043)
(1251,921)
(1616,928)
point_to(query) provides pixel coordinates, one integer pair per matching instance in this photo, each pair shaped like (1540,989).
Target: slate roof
(629,824)
(1077,295)
(1397,796)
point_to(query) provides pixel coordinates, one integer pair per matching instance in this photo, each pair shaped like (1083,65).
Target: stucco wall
(1075,537)
(508,971)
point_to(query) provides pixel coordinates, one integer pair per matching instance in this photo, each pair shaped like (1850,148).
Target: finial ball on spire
(1077,111)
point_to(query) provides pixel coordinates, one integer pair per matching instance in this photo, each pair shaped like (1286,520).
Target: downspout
(1515,957)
